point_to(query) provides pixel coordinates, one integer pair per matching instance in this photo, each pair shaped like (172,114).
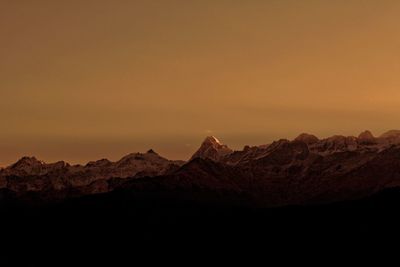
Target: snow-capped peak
(212,148)
(212,139)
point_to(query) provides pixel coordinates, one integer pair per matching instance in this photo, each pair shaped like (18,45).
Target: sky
(84,80)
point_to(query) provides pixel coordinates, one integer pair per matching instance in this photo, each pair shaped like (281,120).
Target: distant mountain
(392,136)
(309,139)
(366,137)
(211,148)
(30,174)
(286,172)
(303,171)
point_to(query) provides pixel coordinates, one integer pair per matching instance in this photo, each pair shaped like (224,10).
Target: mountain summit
(307,138)
(366,137)
(213,149)
(392,134)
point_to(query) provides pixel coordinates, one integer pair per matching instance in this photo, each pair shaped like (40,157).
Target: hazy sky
(82,80)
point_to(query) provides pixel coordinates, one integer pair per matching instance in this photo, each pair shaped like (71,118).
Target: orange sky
(82,80)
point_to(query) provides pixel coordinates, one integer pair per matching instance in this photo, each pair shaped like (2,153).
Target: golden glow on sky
(82,80)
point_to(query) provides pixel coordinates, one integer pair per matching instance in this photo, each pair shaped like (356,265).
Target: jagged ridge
(304,170)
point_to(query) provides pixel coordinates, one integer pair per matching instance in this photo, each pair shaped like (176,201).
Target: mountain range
(306,170)
(306,194)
